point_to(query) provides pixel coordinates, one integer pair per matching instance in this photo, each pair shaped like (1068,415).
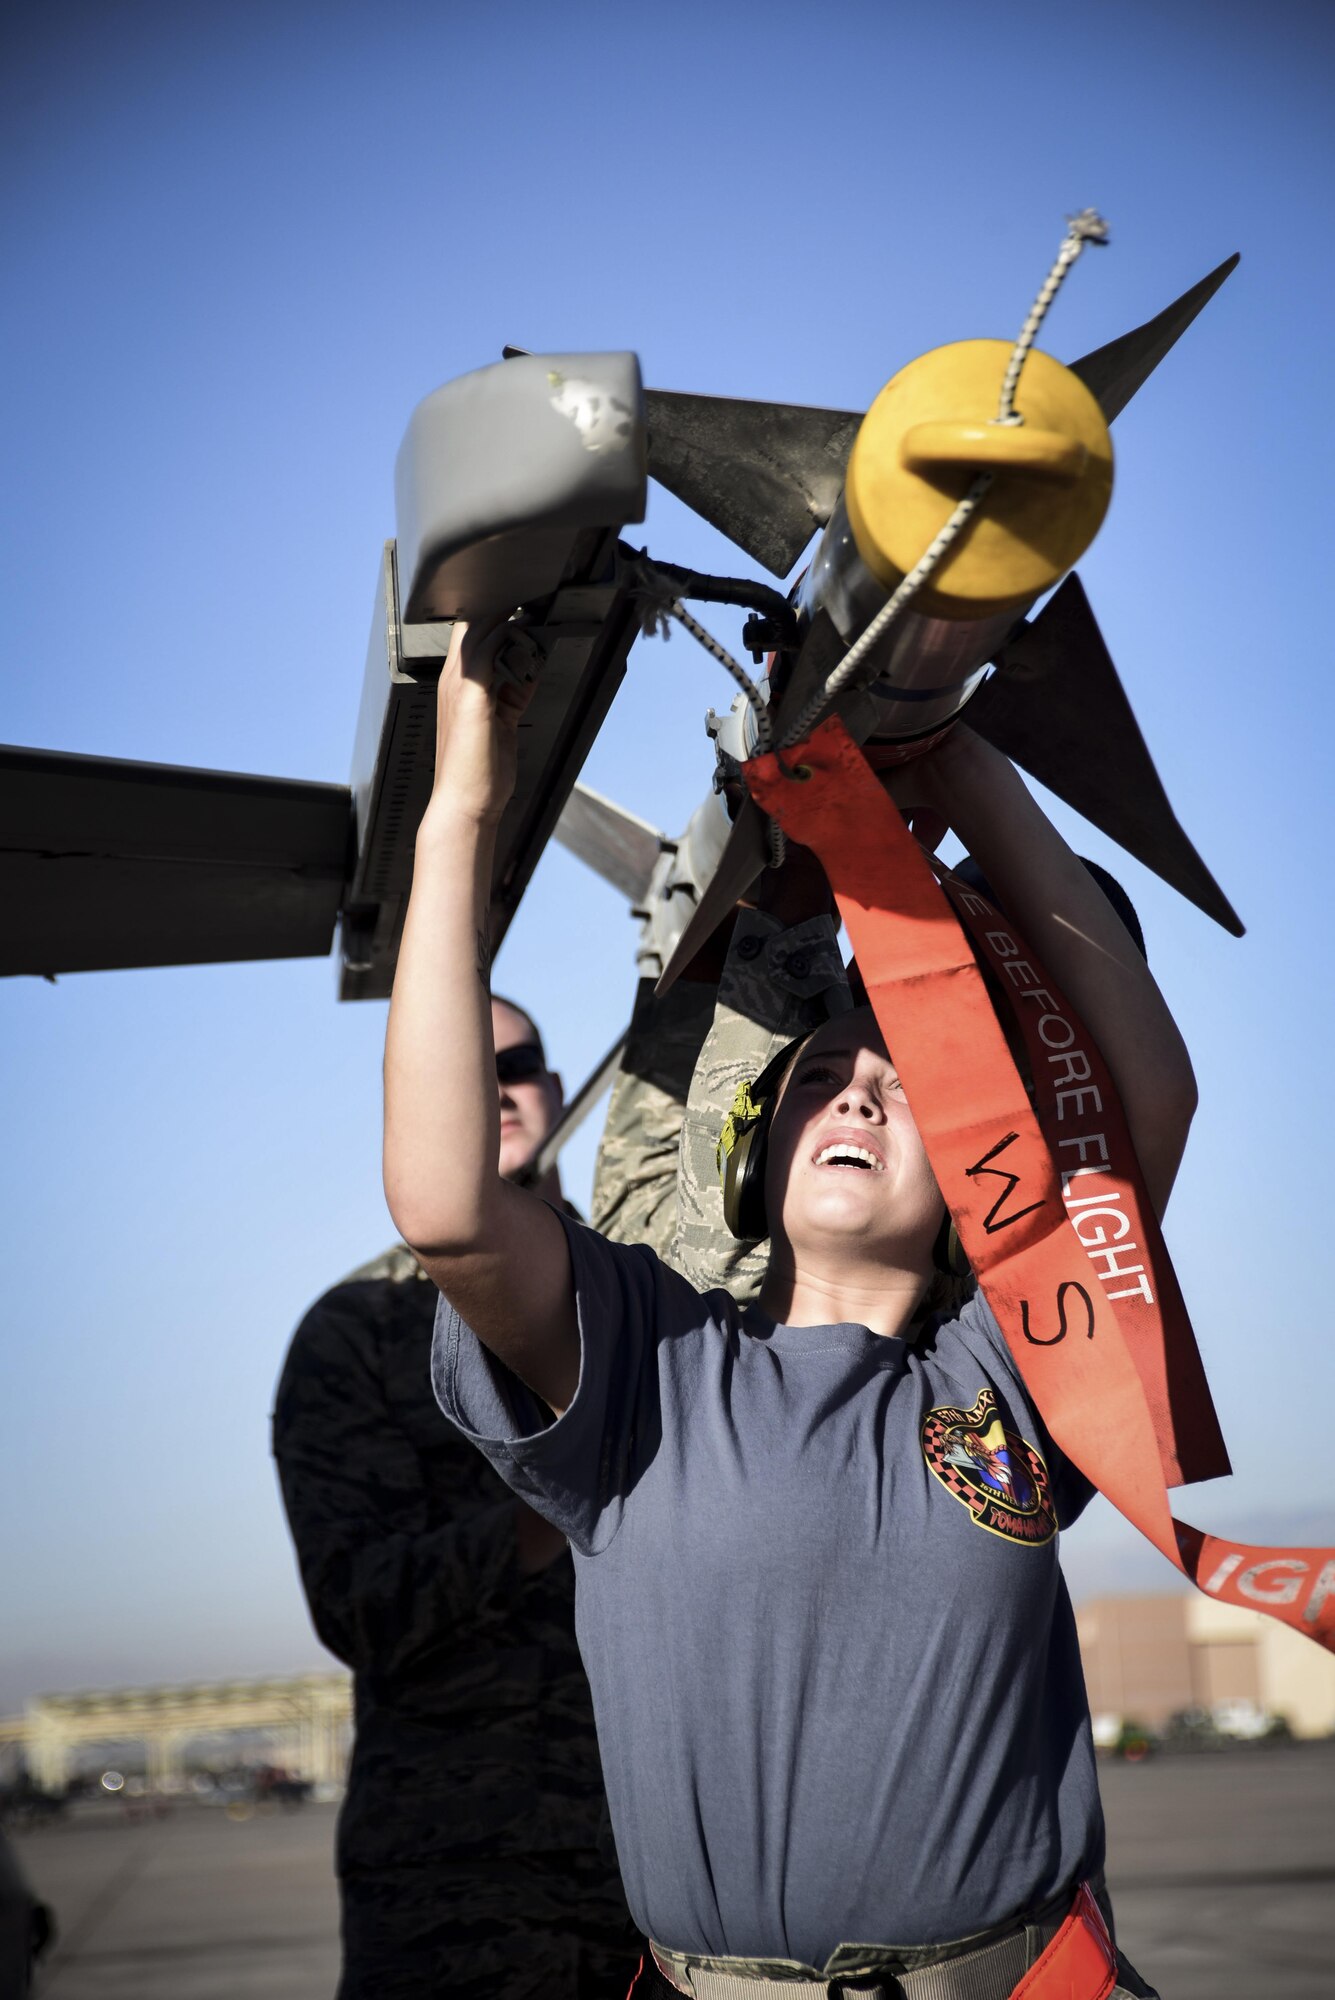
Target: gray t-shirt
(833,1661)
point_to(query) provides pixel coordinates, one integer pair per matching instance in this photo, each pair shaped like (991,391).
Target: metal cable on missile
(1087,227)
(844,674)
(659,602)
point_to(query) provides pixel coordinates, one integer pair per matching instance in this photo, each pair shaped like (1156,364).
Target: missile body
(928,667)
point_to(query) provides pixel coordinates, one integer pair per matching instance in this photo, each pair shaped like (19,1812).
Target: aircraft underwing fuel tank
(513,487)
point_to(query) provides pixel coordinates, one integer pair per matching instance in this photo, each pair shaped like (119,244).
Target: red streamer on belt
(1056,1224)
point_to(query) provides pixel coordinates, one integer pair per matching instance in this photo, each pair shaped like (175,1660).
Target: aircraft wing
(511,488)
(106,863)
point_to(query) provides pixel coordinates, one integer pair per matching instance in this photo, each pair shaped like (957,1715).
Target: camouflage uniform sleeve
(382,1584)
(635,1181)
(777,984)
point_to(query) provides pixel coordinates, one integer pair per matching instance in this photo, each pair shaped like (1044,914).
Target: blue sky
(241,243)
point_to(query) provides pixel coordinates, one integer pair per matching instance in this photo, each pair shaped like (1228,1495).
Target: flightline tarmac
(1221,1865)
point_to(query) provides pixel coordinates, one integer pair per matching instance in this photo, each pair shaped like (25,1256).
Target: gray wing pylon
(583,634)
(511,487)
(106,863)
(1057,707)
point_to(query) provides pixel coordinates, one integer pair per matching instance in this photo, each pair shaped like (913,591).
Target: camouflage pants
(531,1928)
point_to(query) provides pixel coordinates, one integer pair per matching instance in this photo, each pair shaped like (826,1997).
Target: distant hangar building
(1151,1657)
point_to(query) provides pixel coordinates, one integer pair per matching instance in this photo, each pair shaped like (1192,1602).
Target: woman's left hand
(485,686)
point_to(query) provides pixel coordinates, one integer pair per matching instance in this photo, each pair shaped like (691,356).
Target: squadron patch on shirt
(992,1471)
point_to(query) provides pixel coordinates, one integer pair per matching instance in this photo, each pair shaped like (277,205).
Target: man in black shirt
(473,1855)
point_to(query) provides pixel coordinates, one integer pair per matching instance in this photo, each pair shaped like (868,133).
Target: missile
(916,456)
(1047,694)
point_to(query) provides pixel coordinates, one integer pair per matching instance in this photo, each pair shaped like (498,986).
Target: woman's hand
(486,684)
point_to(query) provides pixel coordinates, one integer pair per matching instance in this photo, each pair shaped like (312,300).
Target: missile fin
(616,844)
(1057,707)
(767,475)
(742,859)
(1114,373)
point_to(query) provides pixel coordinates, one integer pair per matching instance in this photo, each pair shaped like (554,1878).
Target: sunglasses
(524,1063)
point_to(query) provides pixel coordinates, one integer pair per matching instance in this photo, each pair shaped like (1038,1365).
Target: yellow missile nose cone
(923,442)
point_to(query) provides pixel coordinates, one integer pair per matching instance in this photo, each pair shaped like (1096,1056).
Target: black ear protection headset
(743,1144)
(742,1148)
(948,1252)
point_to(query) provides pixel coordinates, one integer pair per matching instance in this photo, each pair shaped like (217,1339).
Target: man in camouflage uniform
(469,1851)
(657,1176)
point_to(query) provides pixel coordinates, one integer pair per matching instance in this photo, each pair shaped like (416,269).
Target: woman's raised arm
(497,1252)
(1061,911)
